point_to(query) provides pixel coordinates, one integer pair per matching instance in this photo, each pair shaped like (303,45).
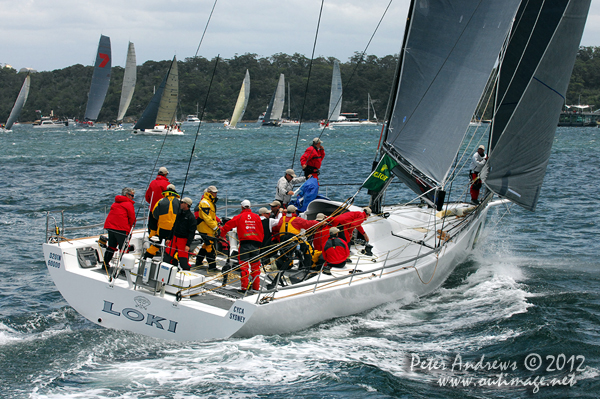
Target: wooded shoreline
(65,90)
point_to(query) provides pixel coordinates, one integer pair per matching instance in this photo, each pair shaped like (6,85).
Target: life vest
(165,213)
(287,227)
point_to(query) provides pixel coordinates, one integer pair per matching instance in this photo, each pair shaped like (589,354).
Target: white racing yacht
(445,62)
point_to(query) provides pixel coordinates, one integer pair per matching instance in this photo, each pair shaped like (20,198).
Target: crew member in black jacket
(184,229)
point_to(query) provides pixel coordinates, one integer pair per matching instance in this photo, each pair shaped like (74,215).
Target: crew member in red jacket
(119,222)
(250,233)
(349,221)
(153,195)
(312,158)
(335,251)
(322,234)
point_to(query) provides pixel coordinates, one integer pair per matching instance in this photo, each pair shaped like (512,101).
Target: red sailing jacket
(350,221)
(121,215)
(249,226)
(335,251)
(313,157)
(321,237)
(157,186)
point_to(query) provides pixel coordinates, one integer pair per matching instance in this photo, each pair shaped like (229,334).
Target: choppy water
(532,287)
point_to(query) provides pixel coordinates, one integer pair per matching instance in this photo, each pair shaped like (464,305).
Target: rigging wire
(199,124)
(349,80)
(312,57)
(205,28)
(360,60)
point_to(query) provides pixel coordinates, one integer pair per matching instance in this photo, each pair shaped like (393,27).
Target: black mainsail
(449,51)
(100,79)
(533,80)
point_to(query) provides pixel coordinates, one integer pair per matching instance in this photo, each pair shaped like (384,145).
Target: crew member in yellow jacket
(165,211)
(208,227)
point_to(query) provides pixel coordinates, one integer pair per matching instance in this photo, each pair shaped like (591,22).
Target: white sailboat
(159,115)
(289,121)
(445,61)
(18,105)
(335,116)
(274,111)
(370,107)
(241,103)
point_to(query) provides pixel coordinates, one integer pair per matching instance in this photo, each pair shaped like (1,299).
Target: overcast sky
(47,35)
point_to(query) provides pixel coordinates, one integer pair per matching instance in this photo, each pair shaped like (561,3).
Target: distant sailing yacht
(129,79)
(241,103)
(275,109)
(159,115)
(335,117)
(18,105)
(100,81)
(289,121)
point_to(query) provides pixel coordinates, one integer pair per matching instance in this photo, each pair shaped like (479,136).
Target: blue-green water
(531,288)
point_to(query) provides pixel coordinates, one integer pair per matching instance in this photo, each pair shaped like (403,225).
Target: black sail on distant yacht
(449,51)
(100,81)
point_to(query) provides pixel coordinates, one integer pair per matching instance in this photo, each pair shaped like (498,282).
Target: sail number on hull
(54,260)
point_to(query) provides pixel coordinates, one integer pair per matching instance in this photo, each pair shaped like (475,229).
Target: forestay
(533,80)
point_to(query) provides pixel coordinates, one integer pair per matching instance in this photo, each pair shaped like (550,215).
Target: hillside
(65,90)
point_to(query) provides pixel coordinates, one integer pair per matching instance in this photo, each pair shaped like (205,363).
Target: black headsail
(449,50)
(533,80)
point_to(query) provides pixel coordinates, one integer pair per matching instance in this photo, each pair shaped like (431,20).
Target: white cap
(291,209)
(246,204)
(481,147)
(163,171)
(187,200)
